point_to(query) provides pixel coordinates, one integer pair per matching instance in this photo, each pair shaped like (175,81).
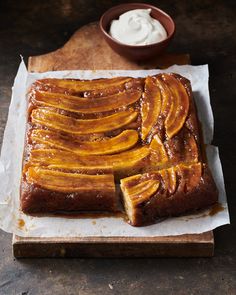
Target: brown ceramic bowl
(137,52)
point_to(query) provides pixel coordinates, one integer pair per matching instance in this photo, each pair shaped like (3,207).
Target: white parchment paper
(14,221)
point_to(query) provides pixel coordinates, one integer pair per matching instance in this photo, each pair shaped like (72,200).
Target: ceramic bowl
(137,52)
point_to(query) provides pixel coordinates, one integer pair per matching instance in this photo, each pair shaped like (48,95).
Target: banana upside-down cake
(93,143)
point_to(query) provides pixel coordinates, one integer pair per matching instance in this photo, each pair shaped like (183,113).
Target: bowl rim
(141,5)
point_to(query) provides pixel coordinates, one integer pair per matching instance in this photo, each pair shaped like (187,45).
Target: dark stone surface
(207,30)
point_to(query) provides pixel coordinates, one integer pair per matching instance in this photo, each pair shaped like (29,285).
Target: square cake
(93,143)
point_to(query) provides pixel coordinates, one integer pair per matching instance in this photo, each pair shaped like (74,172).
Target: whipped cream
(137,27)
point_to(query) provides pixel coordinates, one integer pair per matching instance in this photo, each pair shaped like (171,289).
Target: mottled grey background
(207,30)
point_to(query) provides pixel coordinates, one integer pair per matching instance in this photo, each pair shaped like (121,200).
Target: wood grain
(86,49)
(179,246)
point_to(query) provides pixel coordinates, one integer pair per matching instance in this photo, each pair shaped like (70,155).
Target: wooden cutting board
(86,49)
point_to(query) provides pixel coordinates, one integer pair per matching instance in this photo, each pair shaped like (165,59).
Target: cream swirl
(137,27)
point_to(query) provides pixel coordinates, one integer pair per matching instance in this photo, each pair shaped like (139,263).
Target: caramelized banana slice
(141,192)
(87,105)
(57,159)
(71,125)
(190,174)
(85,85)
(151,106)
(166,96)
(136,190)
(69,182)
(179,105)
(169,179)
(141,187)
(124,141)
(158,149)
(133,83)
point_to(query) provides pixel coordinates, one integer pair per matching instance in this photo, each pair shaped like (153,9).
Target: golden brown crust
(84,136)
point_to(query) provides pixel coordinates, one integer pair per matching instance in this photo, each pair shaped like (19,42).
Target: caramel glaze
(215,209)
(21,223)
(123,127)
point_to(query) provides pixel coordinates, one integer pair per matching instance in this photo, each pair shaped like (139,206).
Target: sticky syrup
(21,223)
(216,209)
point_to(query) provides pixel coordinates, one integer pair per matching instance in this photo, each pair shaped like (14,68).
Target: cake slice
(45,190)
(167,192)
